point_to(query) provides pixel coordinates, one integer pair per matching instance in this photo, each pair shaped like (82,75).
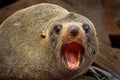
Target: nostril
(74,31)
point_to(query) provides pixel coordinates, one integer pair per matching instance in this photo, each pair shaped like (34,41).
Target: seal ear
(43,35)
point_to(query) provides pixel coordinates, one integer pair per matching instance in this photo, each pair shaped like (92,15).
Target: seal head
(74,40)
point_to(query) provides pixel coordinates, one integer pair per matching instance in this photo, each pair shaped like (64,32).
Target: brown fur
(30,49)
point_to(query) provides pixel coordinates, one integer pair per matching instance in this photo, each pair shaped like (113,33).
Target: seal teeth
(74,65)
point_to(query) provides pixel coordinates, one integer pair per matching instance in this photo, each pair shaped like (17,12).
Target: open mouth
(71,55)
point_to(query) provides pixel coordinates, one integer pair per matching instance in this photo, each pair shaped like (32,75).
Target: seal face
(46,42)
(75,44)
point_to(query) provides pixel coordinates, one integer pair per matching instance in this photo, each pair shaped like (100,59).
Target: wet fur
(24,54)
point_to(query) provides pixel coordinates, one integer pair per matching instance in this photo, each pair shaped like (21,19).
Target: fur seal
(46,42)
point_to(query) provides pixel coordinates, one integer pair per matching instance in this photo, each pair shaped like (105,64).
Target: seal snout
(74,30)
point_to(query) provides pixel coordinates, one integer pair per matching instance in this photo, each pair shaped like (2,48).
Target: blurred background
(105,15)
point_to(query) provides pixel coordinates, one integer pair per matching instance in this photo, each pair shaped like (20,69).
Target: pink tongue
(72,53)
(72,60)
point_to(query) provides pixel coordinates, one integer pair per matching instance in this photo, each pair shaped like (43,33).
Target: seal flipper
(100,74)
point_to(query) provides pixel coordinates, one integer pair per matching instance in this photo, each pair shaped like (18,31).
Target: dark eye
(86,27)
(58,28)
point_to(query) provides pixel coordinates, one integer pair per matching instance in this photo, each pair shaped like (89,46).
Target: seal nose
(74,30)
